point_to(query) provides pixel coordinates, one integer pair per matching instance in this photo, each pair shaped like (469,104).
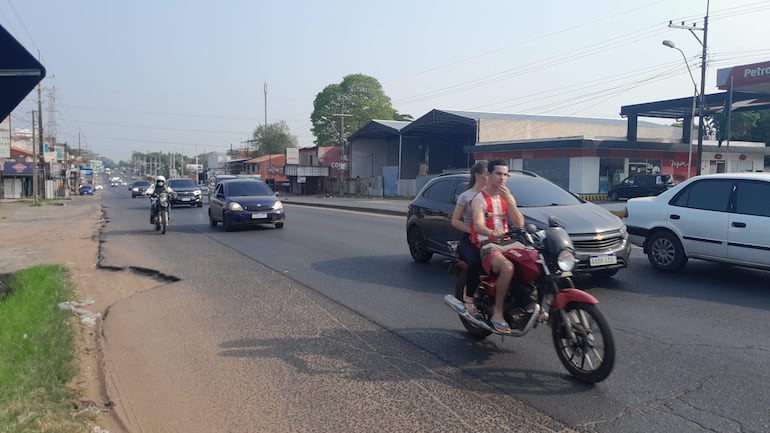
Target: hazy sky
(188,75)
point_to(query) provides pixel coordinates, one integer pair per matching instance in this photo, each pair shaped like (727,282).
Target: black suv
(641,185)
(187,192)
(599,237)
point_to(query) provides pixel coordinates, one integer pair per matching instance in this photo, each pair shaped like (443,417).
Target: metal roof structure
(682,107)
(380,129)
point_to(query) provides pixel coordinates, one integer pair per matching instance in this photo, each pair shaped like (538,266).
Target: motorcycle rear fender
(563,298)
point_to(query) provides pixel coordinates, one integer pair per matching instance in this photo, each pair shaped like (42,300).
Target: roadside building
(584,155)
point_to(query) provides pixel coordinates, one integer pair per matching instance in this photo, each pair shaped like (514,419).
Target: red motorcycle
(542,291)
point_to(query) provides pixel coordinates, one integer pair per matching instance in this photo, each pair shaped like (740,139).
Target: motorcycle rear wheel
(590,356)
(475,331)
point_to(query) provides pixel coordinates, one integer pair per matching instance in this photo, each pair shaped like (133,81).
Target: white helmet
(160,179)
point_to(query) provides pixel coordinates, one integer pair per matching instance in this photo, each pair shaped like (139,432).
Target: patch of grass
(37,354)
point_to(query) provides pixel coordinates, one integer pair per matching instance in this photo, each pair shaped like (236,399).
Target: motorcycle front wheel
(475,331)
(588,351)
(163,222)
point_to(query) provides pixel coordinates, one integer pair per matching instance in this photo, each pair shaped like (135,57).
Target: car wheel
(665,252)
(614,196)
(606,273)
(212,221)
(417,247)
(199,204)
(279,225)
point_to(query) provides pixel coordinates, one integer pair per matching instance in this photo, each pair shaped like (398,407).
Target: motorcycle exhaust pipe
(458,307)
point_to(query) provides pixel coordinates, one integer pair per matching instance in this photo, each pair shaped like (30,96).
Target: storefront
(17,179)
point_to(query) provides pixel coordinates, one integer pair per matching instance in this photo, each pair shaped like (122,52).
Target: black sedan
(245,202)
(138,188)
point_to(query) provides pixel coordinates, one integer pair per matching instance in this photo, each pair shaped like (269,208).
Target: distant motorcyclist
(153,191)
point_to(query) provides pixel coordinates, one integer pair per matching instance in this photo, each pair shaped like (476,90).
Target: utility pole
(34,163)
(40,132)
(702,99)
(264,135)
(343,162)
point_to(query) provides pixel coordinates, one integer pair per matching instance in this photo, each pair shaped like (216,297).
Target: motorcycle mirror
(531,228)
(552,221)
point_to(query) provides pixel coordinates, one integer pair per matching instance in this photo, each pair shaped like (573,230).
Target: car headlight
(235,206)
(566,260)
(277,205)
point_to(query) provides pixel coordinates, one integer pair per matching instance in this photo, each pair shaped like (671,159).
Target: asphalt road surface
(693,348)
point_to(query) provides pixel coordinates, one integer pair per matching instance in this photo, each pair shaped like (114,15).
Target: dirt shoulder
(67,234)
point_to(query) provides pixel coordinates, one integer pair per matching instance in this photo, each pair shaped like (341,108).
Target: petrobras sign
(752,77)
(5,138)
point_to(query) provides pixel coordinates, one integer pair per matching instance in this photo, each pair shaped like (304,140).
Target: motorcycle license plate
(258,216)
(604,259)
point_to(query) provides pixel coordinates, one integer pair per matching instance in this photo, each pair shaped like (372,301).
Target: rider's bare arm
(457,216)
(477,209)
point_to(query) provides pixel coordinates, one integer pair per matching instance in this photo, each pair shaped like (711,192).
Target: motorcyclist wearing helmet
(153,191)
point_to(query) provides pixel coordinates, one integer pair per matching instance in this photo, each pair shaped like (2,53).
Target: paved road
(238,346)
(685,342)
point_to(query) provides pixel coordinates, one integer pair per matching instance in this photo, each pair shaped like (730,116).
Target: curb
(344,207)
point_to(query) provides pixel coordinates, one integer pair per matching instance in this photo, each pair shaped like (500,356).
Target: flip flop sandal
(501,326)
(470,306)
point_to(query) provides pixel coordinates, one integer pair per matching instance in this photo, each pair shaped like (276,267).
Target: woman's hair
(478,168)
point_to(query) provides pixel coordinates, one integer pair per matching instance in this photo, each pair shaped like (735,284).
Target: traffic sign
(19,73)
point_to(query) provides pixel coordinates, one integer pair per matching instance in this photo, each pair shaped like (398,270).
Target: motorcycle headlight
(277,205)
(566,260)
(235,206)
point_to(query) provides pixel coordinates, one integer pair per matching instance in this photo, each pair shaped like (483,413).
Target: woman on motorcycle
(461,220)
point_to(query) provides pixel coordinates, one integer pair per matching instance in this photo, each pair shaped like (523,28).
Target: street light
(670,44)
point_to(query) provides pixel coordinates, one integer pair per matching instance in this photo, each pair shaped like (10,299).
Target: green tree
(748,126)
(273,138)
(353,103)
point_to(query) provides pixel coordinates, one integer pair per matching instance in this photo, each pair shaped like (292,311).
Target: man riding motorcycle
(153,191)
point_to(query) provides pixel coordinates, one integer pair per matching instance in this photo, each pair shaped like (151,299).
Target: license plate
(258,216)
(604,259)
(186,199)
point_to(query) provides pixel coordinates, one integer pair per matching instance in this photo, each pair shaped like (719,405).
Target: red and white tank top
(495,216)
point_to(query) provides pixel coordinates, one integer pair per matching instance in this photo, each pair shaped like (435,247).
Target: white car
(718,217)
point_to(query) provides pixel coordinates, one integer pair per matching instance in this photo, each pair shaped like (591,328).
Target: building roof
(380,128)
(683,107)
(464,122)
(599,144)
(264,158)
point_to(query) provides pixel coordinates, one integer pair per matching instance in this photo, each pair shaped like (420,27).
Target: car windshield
(248,188)
(181,184)
(537,191)
(141,183)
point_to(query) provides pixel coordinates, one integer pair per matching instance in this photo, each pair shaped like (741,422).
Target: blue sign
(21,73)
(13,168)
